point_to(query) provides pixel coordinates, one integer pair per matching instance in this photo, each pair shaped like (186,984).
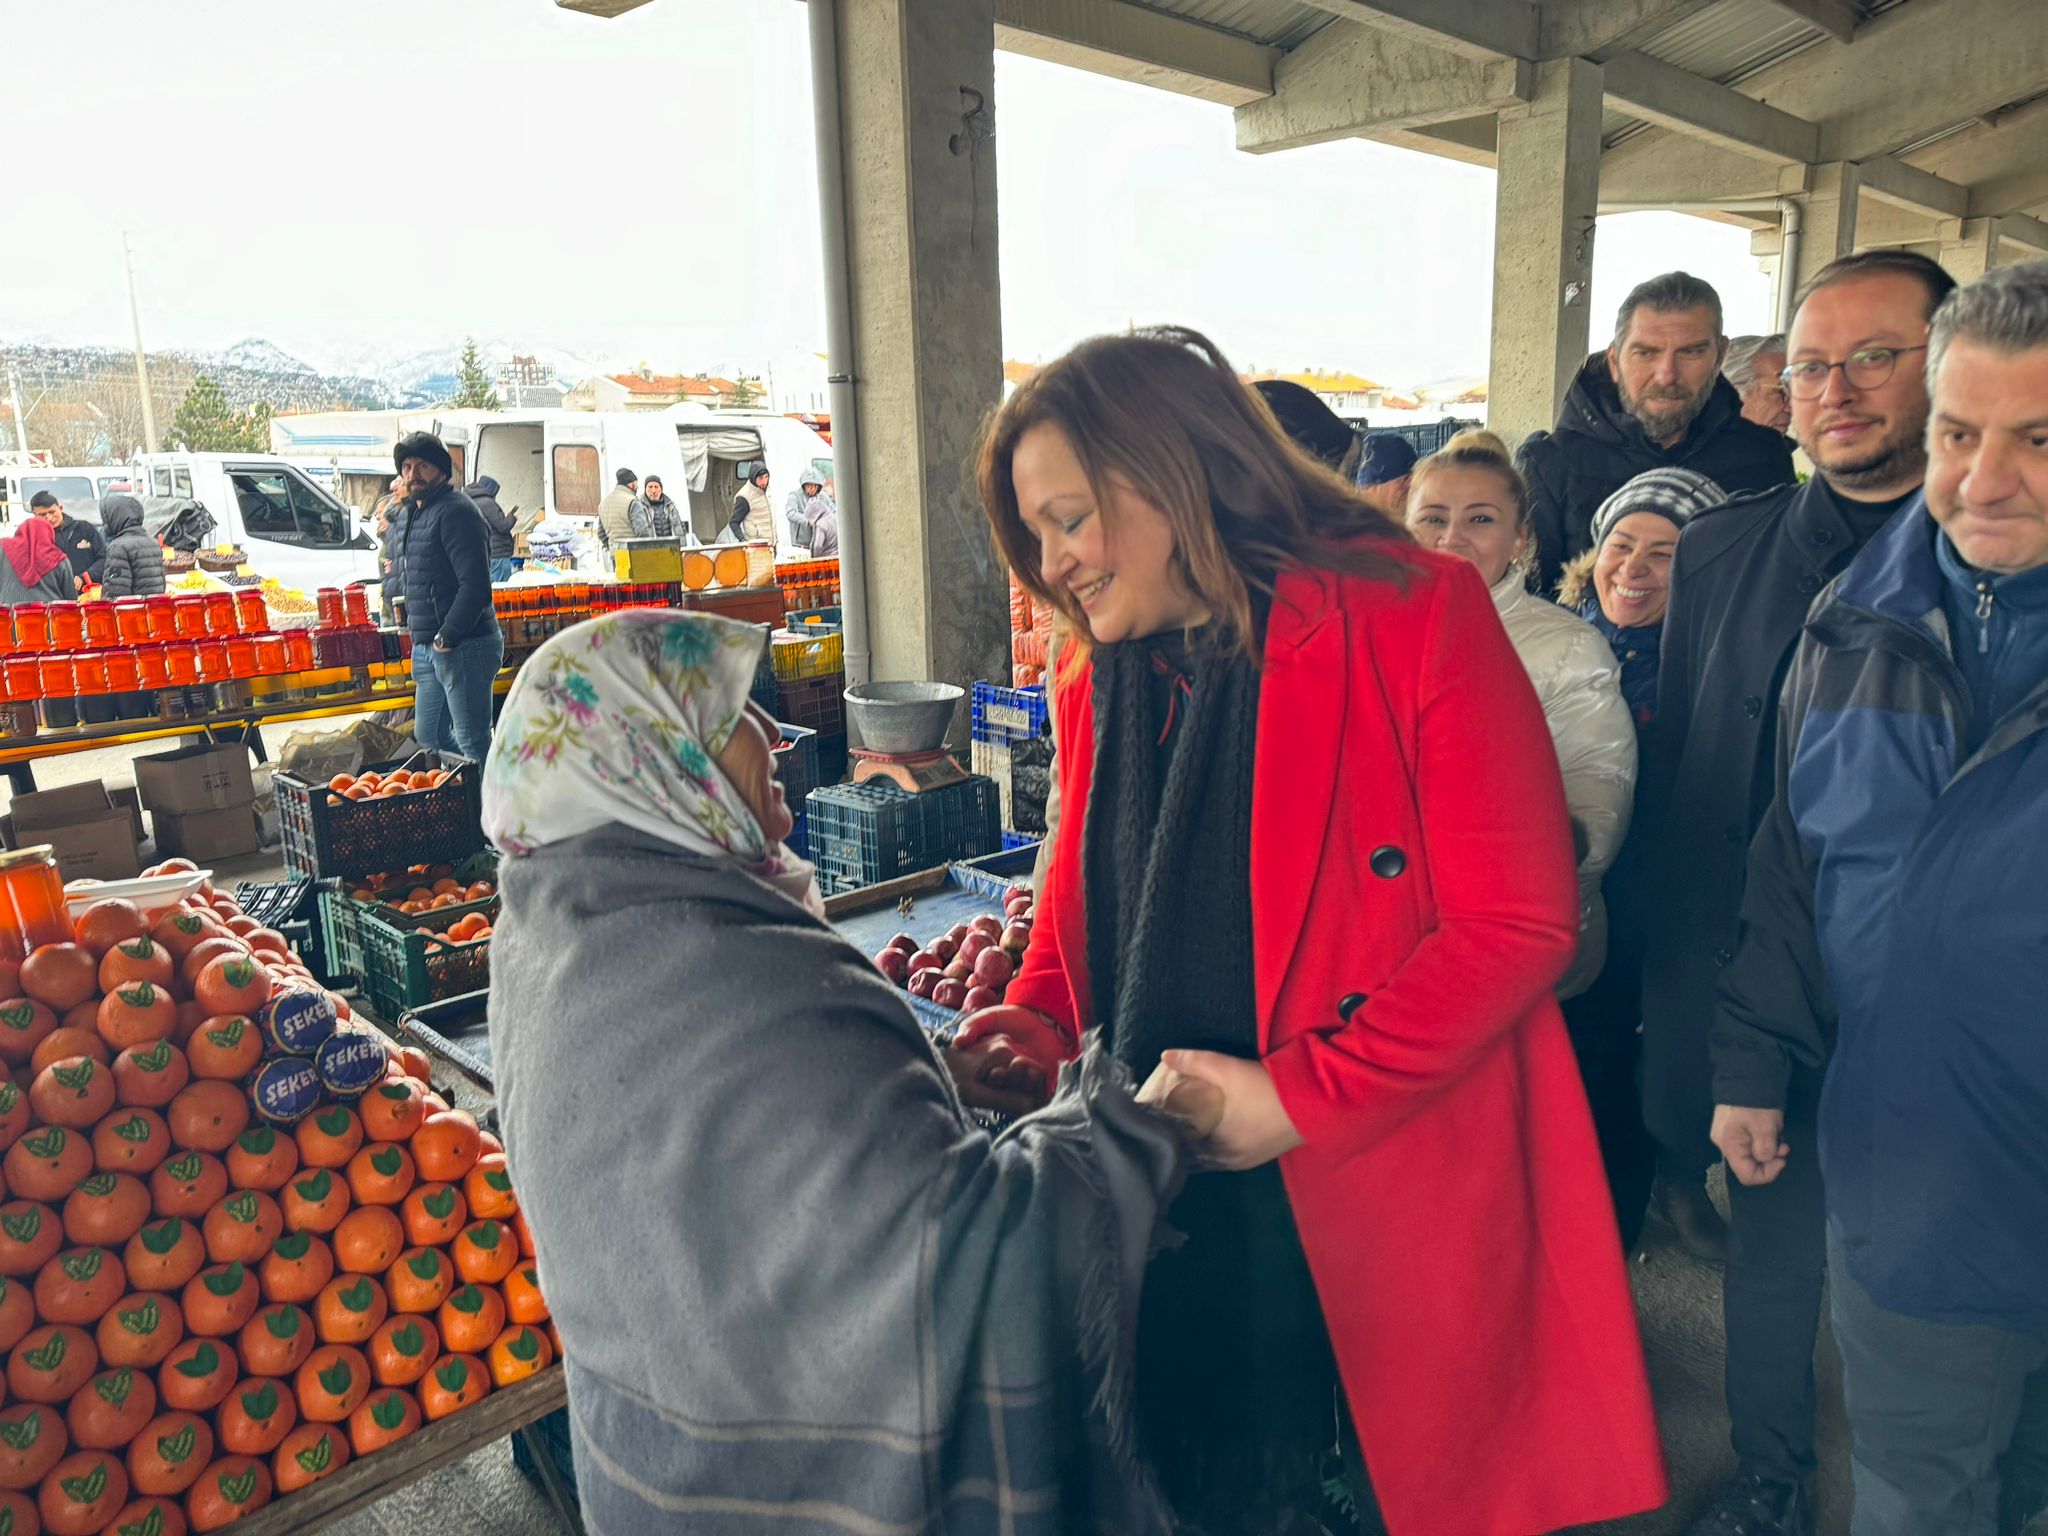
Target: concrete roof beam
(1907,186)
(1698,108)
(1474,29)
(1837,18)
(1349,81)
(1135,43)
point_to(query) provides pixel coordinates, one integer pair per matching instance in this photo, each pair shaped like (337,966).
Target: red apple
(958,932)
(959,969)
(979,998)
(894,964)
(973,945)
(1017,898)
(949,994)
(906,943)
(1016,939)
(993,969)
(922,983)
(945,948)
(988,924)
(925,960)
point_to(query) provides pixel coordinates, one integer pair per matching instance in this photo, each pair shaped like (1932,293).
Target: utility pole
(141,364)
(20,418)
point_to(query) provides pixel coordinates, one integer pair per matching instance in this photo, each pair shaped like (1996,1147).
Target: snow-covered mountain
(257,355)
(408,374)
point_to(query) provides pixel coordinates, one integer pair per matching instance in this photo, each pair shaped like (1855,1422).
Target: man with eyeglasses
(1893,938)
(1742,583)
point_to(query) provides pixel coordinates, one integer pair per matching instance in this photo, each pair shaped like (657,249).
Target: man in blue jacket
(442,566)
(1895,930)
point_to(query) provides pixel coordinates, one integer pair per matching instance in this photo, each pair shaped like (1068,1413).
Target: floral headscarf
(621,719)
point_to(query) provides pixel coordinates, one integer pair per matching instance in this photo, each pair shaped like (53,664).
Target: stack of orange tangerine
(423,888)
(200,1311)
(371,786)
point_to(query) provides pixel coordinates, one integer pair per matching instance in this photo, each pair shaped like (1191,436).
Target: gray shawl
(799,1292)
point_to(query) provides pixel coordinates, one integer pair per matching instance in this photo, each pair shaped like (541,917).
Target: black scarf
(1168,848)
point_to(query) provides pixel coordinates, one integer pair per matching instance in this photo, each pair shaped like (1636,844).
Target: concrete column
(1969,247)
(1547,192)
(917,106)
(1830,222)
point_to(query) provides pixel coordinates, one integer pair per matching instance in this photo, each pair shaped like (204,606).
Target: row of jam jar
(131,669)
(134,621)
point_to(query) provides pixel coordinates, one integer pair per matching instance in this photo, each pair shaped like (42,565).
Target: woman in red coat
(1314,850)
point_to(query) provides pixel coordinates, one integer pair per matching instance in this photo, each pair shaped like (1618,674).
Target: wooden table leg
(551,1482)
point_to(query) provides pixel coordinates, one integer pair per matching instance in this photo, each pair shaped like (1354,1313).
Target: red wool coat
(1414,901)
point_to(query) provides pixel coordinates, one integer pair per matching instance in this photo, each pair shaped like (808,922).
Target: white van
(79,488)
(293,528)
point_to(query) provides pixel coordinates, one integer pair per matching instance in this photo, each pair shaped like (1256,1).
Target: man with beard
(1654,399)
(1742,582)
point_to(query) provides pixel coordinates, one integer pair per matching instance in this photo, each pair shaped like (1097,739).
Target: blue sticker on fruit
(351,1061)
(300,1021)
(285,1090)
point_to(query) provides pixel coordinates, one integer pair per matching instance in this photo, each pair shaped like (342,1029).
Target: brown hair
(1476,448)
(1162,412)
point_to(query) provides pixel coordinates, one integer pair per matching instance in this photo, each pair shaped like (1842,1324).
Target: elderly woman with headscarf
(799,1291)
(34,569)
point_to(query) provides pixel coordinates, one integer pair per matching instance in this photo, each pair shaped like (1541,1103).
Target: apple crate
(798,656)
(815,703)
(863,834)
(327,837)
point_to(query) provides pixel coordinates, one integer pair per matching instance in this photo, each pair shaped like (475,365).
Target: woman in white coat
(1469,499)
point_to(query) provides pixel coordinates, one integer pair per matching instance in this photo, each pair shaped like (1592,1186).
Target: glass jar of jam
(131,620)
(221,619)
(32,908)
(213,660)
(56,676)
(31,627)
(332,613)
(67,626)
(181,660)
(23,678)
(188,616)
(153,666)
(242,656)
(89,673)
(124,671)
(163,616)
(355,604)
(298,650)
(250,611)
(270,661)
(100,628)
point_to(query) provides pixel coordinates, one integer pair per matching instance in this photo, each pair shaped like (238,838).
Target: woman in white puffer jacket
(1469,499)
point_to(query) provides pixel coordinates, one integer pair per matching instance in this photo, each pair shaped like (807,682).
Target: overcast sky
(357,177)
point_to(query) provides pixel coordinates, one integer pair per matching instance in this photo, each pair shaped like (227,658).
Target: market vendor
(1313,849)
(790,1273)
(83,544)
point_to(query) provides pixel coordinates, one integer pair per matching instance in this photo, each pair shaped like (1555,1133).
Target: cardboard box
(194,779)
(97,834)
(204,835)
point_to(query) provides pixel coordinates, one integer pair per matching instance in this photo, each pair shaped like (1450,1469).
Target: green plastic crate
(342,918)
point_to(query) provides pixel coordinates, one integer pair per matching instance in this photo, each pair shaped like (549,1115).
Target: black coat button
(1752,706)
(1352,1002)
(1387,861)
(1810,584)
(1823,536)
(1723,956)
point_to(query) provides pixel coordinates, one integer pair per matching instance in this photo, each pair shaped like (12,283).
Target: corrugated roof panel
(1276,23)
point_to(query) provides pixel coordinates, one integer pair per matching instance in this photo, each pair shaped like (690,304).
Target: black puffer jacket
(1742,582)
(135,562)
(441,560)
(1597,447)
(497,522)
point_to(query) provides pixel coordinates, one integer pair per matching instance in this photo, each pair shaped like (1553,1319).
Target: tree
(746,394)
(206,423)
(474,390)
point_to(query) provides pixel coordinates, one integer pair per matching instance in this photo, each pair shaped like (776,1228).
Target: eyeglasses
(1865,368)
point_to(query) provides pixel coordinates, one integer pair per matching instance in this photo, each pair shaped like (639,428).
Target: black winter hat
(626,477)
(423,445)
(1315,428)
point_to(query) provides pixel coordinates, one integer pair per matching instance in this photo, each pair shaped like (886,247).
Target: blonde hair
(1476,448)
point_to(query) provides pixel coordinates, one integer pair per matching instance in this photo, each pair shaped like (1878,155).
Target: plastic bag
(314,757)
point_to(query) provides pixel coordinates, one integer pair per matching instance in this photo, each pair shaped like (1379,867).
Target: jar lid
(39,853)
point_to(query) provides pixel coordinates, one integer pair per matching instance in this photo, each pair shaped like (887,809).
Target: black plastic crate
(815,703)
(274,903)
(796,765)
(863,834)
(330,837)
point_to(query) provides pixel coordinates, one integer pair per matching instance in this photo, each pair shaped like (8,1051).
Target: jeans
(501,570)
(1933,1410)
(1771,1298)
(452,693)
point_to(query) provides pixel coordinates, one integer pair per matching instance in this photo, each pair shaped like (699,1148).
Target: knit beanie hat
(1679,494)
(626,477)
(423,445)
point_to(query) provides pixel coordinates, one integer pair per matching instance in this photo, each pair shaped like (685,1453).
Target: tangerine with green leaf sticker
(80,1286)
(15,1115)
(392,1110)
(47,1163)
(110,1410)
(24,1023)
(383,1418)
(231,984)
(139,959)
(197,1375)
(107,1209)
(150,1076)
(228,1047)
(519,1353)
(455,1382)
(50,1363)
(74,1092)
(262,1158)
(131,1141)
(188,1185)
(32,1440)
(140,1329)
(82,1493)
(276,1341)
(485,1252)
(221,1298)
(309,1453)
(232,1488)
(524,1302)
(334,1379)
(17,1310)
(349,1309)
(434,1214)
(295,1269)
(148,1517)
(402,1349)
(381,1173)
(165,1255)
(256,1417)
(243,1226)
(315,1201)
(471,1319)
(420,1281)
(141,1014)
(488,1188)
(170,1453)
(30,1235)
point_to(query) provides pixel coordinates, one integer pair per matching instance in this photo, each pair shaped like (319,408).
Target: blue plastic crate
(812,618)
(863,834)
(1003,715)
(799,840)
(1020,839)
(796,765)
